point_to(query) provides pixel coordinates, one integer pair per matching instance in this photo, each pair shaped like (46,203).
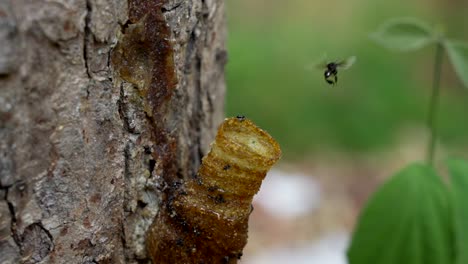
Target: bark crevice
(11,209)
(171,8)
(200,114)
(87,37)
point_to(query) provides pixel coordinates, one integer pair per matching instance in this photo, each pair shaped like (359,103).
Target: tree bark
(103,103)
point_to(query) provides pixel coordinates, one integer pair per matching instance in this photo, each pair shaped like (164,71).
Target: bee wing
(348,62)
(319,64)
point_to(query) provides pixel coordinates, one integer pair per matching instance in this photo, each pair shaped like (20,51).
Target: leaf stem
(434,103)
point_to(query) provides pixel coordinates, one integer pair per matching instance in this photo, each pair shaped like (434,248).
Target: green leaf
(403,34)
(408,220)
(459,174)
(458,54)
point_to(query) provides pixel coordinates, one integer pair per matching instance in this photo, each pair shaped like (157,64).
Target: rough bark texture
(102,104)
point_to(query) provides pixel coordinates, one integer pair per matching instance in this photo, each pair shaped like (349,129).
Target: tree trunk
(103,103)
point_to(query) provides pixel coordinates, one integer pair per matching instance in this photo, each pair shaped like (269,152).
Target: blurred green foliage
(427,223)
(271,43)
(459,179)
(420,228)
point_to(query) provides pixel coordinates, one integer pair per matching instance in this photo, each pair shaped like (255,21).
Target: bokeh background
(339,142)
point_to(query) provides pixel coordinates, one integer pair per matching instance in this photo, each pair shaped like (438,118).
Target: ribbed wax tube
(206,219)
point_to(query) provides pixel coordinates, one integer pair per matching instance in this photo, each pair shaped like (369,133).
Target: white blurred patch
(288,195)
(331,249)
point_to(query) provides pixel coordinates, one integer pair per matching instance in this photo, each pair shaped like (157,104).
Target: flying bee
(331,68)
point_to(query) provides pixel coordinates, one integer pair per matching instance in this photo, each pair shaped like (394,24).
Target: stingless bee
(240,117)
(331,68)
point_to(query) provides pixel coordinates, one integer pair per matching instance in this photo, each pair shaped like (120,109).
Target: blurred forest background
(271,43)
(347,137)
